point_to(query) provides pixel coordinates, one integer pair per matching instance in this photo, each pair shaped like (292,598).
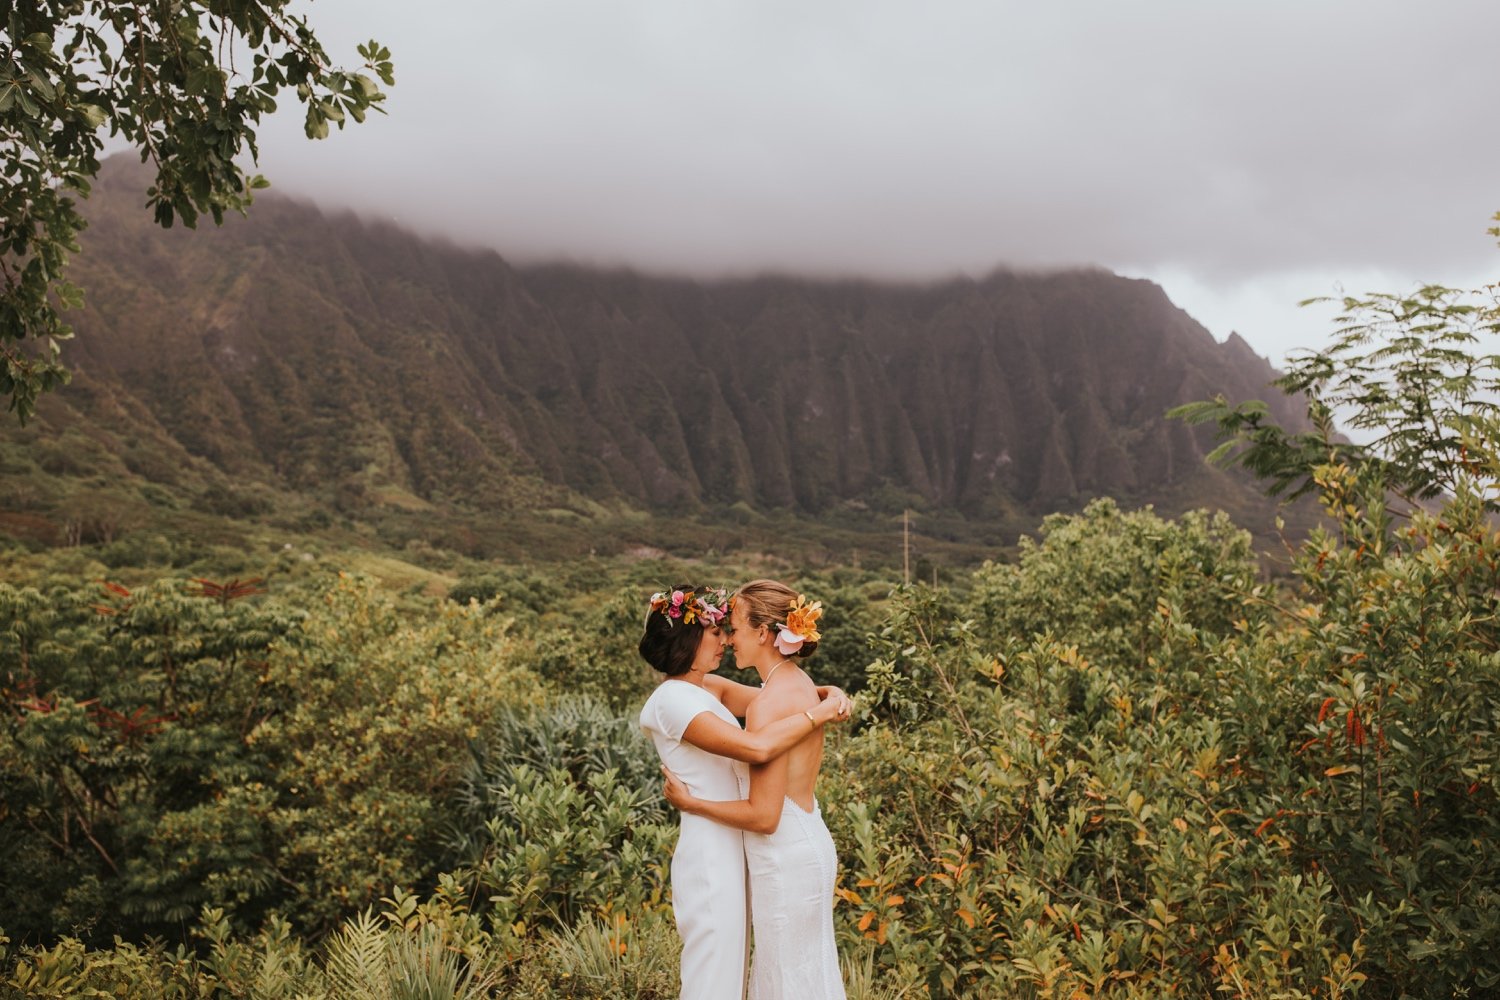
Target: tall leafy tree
(1416,375)
(184,82)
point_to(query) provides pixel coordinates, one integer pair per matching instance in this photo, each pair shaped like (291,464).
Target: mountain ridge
(347,357)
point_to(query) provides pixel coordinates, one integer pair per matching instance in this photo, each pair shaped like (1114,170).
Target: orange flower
(803,618)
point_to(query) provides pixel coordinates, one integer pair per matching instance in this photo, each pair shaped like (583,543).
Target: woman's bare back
(790,696)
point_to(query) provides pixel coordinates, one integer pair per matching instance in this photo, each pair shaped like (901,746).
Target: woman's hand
(833,704)
(676,792)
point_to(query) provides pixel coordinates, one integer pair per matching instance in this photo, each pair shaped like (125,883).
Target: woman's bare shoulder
(779,702)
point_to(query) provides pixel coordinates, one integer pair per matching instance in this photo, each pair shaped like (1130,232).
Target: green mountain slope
(355,366)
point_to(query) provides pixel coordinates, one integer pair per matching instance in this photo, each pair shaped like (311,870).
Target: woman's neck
(766,670)
(693,677)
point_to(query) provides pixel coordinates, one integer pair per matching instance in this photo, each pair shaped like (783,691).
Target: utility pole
(906,545)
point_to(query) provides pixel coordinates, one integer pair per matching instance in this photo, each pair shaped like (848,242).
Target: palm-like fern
(369,961)
(575,735)
(357,958)
(602,958)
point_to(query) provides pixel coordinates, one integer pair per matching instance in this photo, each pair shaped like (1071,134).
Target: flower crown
(707,608)
(801,626)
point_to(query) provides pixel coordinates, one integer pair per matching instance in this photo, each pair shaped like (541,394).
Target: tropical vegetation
(1128,762)
(164,79)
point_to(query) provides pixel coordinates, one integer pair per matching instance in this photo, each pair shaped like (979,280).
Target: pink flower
(677,598)
(788,642)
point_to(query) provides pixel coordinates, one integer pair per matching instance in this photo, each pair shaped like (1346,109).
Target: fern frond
(358,960)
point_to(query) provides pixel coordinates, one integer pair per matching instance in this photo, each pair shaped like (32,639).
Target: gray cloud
(1239,146)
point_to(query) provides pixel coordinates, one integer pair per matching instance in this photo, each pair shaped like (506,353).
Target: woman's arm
(737,697)
(760,813)
(709,732)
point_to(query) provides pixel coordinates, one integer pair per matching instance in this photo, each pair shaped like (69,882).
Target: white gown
(792,875)
(709,897)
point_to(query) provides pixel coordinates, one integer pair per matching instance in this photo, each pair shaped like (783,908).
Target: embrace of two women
(753,850)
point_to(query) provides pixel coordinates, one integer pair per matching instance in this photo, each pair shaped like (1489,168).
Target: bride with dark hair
(691,719)
(792,862)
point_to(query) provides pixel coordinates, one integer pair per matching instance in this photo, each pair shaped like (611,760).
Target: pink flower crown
(801,626)
(707,607)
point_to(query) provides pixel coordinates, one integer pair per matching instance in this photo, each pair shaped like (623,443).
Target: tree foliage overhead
(186,84)
(1417,374)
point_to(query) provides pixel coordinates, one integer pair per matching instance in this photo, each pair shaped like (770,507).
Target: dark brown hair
(669,644)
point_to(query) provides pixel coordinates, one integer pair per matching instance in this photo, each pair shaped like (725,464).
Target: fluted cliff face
(315,349)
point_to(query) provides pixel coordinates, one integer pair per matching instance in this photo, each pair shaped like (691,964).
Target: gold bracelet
(810,718)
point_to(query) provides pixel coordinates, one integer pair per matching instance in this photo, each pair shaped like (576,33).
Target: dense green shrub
(1374,736)
(1144,803)
(189,744)
(855,610)
(1104,580)
(366,752)
(588,647)
(524,595)
(125,729)
(1042,811)
(573,734)
(561,819)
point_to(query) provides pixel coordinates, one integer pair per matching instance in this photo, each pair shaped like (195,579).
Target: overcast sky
(1244,155)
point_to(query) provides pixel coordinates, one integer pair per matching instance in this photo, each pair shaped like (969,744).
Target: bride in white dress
(792,861)
(691,720)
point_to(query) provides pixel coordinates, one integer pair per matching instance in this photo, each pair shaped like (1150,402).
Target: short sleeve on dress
(674,706)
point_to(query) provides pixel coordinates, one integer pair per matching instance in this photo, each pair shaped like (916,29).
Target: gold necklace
(768,676)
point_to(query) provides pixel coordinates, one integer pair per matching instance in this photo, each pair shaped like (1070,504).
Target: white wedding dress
(792,875)
(709,897)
